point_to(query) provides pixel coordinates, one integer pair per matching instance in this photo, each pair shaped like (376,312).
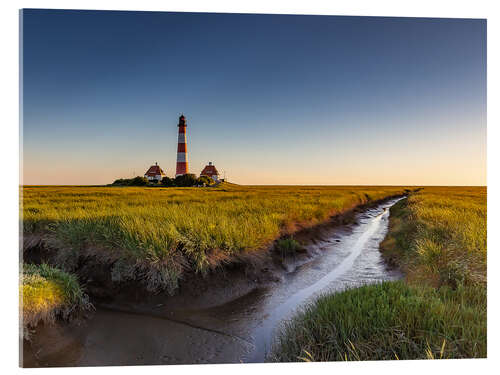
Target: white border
(10,166)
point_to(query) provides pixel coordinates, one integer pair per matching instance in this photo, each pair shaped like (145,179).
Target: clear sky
(270,99)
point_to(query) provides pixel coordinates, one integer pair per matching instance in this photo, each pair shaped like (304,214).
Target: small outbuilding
(154,173)
(210,171)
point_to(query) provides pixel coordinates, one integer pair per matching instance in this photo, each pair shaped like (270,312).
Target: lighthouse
(182,163)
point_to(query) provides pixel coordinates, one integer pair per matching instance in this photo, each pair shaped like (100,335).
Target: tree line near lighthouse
(155,176)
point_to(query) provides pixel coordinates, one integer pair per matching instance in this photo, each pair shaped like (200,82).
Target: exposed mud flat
(227,318)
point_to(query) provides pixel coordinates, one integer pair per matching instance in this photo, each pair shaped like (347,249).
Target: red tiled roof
(154,170)
(209,171)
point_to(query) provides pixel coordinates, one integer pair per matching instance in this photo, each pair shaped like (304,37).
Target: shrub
(138,181)
(167,181)
(120,182)
(204,180)
(185,180)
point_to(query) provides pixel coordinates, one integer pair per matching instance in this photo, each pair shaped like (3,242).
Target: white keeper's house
(210,171)
(154,173)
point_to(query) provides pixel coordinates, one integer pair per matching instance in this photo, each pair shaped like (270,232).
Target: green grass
(46,292)
(385,321)
(287,247)
(438,238)
(156,235)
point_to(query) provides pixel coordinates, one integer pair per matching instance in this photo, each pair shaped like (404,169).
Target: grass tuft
(287,247)
(47,292)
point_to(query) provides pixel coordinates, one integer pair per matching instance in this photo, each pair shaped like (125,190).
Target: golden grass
(439,236)
(40,298)
(46,292)
(161,232)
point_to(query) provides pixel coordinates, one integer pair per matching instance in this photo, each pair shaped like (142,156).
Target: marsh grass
(390,320)
(156,234)
(438,238)
(46,292)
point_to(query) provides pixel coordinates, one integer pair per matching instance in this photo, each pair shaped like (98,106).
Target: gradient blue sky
(270,99)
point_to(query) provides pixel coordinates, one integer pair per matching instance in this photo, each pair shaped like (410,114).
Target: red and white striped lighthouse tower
(182,163)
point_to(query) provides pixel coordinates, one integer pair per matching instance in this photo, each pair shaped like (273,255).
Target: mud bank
(226,317)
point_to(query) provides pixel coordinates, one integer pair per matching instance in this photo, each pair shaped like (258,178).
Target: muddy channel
(201,329)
